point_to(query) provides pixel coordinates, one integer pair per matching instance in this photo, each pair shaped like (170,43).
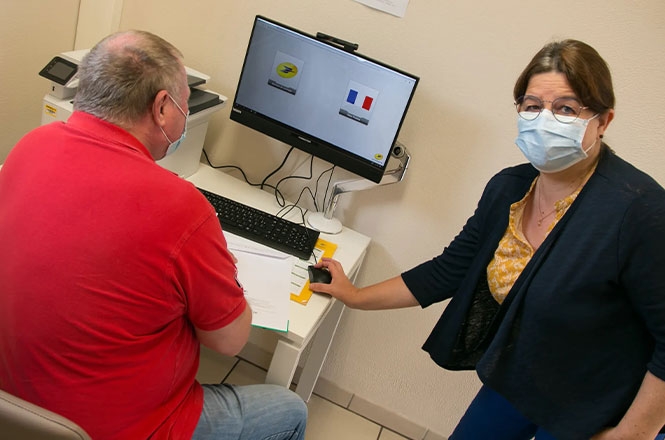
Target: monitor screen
(335,104)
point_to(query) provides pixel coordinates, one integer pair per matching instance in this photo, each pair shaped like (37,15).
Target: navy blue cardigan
(570,345)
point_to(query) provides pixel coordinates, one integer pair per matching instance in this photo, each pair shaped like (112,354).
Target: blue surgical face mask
(173,146)
(550,145)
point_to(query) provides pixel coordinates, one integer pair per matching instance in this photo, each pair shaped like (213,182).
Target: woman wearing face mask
(557,280)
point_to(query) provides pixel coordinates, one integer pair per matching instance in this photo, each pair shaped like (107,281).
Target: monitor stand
(325,222)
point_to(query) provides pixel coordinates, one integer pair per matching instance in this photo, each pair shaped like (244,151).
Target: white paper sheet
(265,275)
(299,273)
(394,7)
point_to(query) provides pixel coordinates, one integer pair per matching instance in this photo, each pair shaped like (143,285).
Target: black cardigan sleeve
(642,262)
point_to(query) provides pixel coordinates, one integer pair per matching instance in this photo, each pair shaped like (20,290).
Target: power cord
(282,202)
(277,169)
(325,194)
(279,197)
(234,167)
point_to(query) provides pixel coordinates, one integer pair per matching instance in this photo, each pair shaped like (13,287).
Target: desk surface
(351,246)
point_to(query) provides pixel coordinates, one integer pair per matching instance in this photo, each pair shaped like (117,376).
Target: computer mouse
(319,275)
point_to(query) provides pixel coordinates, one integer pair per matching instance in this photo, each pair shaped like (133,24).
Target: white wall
(460,131)
(96,19)
(31,33)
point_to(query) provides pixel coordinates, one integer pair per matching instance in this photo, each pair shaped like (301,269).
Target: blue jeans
(251,412)
(492,416)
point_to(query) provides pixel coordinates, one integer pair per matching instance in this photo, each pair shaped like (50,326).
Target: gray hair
(120,76)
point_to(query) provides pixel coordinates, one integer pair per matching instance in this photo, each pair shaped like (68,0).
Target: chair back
(23,420)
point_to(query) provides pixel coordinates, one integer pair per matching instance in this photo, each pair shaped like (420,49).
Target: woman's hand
(389,294)
(340,287)
(645,416)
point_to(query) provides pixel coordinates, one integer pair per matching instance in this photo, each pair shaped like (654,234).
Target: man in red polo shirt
(114,270)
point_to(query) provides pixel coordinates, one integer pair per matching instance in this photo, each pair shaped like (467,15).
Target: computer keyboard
(263,227)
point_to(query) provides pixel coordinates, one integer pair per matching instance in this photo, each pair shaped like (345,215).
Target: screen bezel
(47,71)
(306,141)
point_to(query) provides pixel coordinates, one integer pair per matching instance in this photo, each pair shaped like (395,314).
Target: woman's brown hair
(586,71)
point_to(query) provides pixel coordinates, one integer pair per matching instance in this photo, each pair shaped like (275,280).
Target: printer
(58,105)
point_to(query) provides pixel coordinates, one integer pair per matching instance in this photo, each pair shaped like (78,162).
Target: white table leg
(286,356)
(317,355)
(283,364)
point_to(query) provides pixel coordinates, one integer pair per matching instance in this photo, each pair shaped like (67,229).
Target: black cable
(234,167)
(279,197)
(332,170)
(278,168)
(311,166)
(278,193)
(288,208)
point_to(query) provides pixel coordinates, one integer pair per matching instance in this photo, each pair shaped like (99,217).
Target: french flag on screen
(361,99)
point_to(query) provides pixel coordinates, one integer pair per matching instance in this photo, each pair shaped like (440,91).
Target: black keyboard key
(263,227)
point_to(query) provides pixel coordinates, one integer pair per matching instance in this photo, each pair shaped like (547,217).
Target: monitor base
(318,221)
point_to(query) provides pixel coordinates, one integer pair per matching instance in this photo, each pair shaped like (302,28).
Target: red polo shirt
(107,263)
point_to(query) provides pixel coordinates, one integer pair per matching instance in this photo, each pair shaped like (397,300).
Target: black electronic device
(263,227)
(59,70)
(200,100)
(321,96)
(194,81)
(319,275)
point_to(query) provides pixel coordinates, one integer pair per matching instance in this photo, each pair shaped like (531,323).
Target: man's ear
(158,105)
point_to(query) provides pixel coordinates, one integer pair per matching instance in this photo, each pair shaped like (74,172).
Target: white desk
(317,321)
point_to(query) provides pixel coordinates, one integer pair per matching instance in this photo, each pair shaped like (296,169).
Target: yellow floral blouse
(514,250)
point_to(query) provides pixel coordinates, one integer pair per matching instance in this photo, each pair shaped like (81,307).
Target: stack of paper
(265,275)
(300,291)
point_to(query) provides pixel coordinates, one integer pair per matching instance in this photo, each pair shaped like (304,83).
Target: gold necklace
(581,179)
(543,216)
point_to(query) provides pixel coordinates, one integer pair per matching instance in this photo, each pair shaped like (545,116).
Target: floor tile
(433,436)
(214,367)
(245,373)
(386,418)
(333,393)
(386,434)
(327,421)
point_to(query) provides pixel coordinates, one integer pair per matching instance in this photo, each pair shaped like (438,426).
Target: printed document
(265,275)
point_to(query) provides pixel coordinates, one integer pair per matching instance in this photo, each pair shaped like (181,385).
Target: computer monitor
(322,98)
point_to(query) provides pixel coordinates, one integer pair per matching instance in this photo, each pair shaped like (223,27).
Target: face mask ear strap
(586,151)
(585,122)
(164,133)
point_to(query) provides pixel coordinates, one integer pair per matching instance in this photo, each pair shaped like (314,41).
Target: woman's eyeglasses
(565,110)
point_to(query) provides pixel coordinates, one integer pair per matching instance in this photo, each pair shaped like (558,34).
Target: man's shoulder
(173,189)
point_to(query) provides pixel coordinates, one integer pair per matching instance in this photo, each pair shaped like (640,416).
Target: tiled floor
(326,421)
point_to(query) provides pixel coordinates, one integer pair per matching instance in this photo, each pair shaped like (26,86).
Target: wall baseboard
(346,399)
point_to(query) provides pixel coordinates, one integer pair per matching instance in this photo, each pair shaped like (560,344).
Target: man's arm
(230,339)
